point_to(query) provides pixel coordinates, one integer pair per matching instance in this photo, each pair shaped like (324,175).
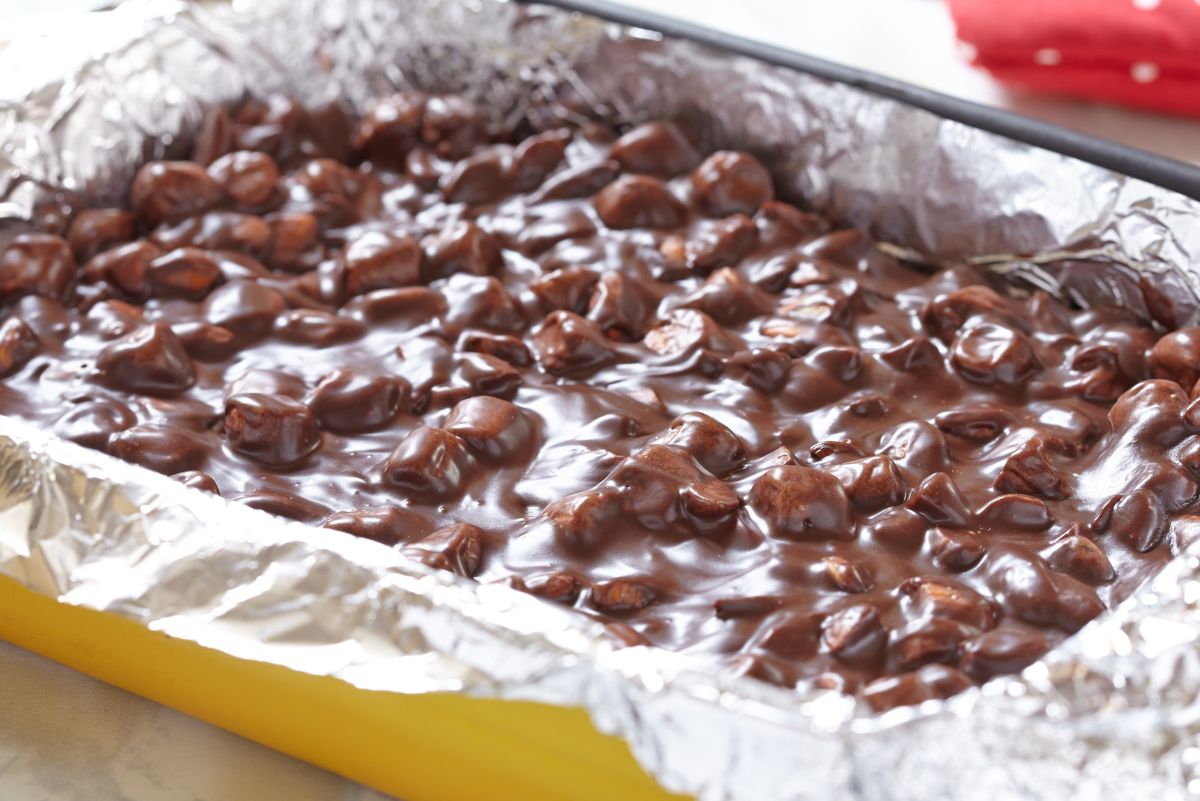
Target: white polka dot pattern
(1047,57)
(1140,53)
(1144,72)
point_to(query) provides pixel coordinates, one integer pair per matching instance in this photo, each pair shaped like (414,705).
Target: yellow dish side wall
(431,747)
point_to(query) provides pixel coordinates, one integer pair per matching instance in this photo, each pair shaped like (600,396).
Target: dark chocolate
(620,376)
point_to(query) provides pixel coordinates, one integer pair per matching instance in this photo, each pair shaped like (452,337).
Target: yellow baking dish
(426,747)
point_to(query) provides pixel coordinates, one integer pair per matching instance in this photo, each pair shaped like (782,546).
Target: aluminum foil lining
(1112,713)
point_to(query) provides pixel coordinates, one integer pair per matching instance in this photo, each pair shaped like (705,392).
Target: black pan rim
(1163,171)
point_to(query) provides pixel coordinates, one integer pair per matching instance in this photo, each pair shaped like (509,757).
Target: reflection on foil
(1113,713)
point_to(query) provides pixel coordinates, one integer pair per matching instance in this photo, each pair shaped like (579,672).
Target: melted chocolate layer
(619,375)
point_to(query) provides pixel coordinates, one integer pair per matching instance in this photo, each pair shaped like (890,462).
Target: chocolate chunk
(718,244)
(791,634)
(150,360)
(91,423)
(639,201)
(386,524)
(562,586)
(182,273)
(725,296)
(1176,357)
(898,529)
(620,306)
(927,683)
(94,231)
(762,368)
(216,230)
(483,177)
(551,227)
(36,264)
(538,156)
(480,374)
(1137,520)
(730,183)
(1104,378)
(947,600)
(747,607)
(925,641)
(847,575)
(207,343)
(914,353)
(1081,558)
(295,243)
(975,423)
(663,487)
(124,266)
(458,548)
(245,307)
(1007,649)
(215,137)
(347,401)
(272,429)
(1035,594)
(166,449)
(1015,513)
(714,447)
(800,503)
(938,500)
(481,302)
(246,177)
(113,318)
(989,353)
(463,247)
(946,314)
(915,446)
(494,428)
(197,480)
(686,330)
(956,551)
(283,504)
(845,363)
(622,595)
(391,127)
(1030,472)
(411,306)
(431,463)
(568,289)
(854,635)
(1151,411)
(164,191)
(565,344)
(380,260)
(781,224)
(871,483)
(655,148)
(317,328)
(501,346)
(334,193)
(582,180)
(18,344)
(452,125)
(579,522)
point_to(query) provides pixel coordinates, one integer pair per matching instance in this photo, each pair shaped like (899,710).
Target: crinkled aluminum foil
(1112,713)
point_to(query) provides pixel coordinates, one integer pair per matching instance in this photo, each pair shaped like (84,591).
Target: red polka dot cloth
(1142,53)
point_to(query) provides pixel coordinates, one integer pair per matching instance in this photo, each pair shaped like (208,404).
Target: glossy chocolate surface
(618,374)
